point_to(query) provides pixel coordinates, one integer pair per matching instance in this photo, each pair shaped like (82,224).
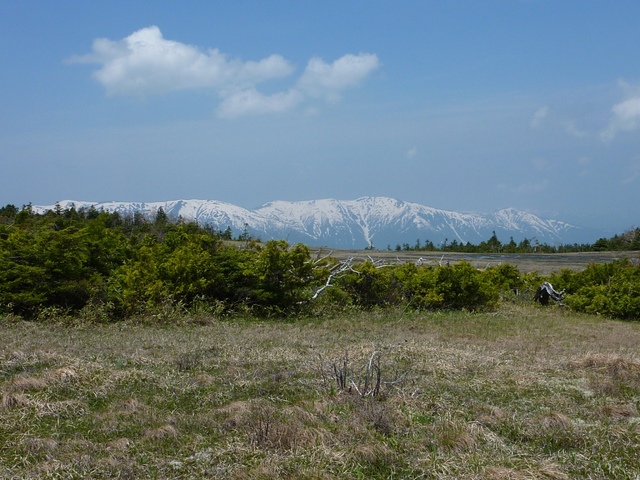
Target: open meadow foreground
(520,393)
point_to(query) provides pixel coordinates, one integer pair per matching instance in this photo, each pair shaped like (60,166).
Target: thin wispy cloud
(543,118)
(571,128)
(625,117)
(538,118)
(252,102)
(145,63)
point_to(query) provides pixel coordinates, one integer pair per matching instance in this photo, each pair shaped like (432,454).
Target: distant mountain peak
(359,223)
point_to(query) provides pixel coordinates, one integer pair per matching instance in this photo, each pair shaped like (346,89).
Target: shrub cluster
(460,286)
(610,289)
(106,266)
(69,261)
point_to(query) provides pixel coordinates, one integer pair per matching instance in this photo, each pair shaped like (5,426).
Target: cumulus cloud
(625,117)
(145,63)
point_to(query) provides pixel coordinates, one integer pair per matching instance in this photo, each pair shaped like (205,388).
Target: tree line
(627,241)
(105,266)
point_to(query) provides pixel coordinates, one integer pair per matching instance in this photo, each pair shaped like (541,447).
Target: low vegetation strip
(520,392)
(103,267)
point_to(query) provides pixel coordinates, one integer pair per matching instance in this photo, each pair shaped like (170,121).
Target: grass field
(525,392)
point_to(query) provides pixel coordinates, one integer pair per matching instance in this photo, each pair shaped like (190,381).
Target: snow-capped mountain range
(360,223)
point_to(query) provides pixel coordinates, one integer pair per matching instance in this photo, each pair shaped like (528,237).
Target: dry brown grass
(162,432)
(520,393)
(610,364)
(40,446)
(23,384)
(64,374)
(14,400)
(545,471)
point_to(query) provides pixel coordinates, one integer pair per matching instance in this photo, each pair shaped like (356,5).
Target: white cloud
(252,102)
(542,118)
(412,152)
(625,117)
(539,116)
(145,63)
(324,79)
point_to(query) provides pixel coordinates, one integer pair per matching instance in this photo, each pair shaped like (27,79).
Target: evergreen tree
(161,219)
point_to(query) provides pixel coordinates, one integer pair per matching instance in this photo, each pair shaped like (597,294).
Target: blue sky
(460,105)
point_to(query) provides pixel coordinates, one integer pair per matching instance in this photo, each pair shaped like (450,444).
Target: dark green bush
(370,286)
(460,286)
(464,287)
(611,289)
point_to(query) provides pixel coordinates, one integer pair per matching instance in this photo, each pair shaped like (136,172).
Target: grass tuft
(12,400)
(25,384)
(162,432)
(65,374)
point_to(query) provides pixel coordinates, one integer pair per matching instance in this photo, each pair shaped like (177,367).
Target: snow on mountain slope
(366,221)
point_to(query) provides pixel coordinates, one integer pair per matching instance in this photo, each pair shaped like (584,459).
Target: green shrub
(611,289)
(464,287)
(506,277)
(460,286)
(373,286)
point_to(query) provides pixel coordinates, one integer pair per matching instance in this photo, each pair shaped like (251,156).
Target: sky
(460,105)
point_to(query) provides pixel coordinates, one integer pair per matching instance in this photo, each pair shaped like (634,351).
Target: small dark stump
(546,292)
